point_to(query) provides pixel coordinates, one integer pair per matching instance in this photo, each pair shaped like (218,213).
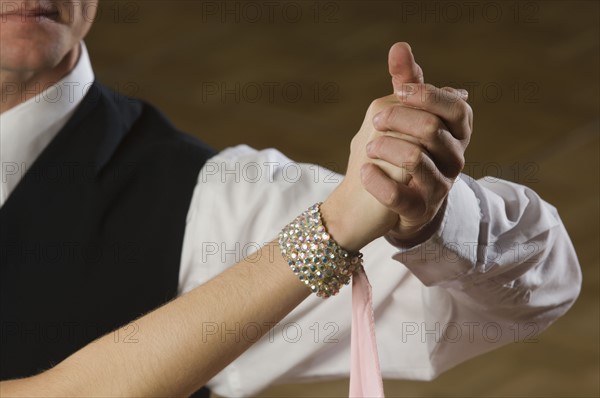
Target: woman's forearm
(173,353)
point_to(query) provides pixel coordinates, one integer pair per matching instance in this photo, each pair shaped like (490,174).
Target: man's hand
(403,161)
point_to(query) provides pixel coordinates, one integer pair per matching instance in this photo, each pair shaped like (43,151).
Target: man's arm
(168,359)
(422,297)
(407,156)
(500,269)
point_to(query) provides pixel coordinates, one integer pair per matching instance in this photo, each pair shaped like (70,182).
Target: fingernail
(376,119)
(369,147)
(464,93)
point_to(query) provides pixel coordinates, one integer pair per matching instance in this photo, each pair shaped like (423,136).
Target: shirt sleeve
(501,268)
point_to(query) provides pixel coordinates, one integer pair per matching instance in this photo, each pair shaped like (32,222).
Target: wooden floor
(304,73)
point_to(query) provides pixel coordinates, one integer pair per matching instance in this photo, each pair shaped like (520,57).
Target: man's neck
(19,86)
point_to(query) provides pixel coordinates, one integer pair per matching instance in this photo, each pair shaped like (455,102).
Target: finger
(395,196)
(446,104)
(425,129)
(396,173)
(459,93)
(402,66)
(392,154)
(426,182)
(450,93)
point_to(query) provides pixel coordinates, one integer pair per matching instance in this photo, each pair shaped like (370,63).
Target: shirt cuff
(451,251)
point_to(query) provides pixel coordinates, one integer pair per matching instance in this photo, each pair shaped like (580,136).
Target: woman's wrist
(338,224)
(314,256)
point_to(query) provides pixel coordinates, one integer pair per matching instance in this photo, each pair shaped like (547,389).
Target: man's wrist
(423,234)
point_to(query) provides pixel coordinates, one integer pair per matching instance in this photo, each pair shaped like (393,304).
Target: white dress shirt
(28,128)
(501,268)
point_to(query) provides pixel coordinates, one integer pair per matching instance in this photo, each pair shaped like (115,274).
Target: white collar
(28,128)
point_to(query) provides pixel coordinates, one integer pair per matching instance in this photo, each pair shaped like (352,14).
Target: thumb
(403,67)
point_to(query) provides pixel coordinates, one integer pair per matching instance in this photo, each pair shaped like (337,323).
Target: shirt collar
(51,105)
(28,128)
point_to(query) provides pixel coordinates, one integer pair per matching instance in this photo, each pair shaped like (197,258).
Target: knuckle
(446,183)
(461,110)
(376,146)
(384,117)
(457,165)
(415,155)
(460,164)
(429,88)
(429,93)
(468,110)
(412,158)
(469,121)
(448,94)
(440,183)
(465,139)
(387,117)
(431,125)
(393,199)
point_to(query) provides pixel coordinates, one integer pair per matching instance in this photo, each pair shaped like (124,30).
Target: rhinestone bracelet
(314,257)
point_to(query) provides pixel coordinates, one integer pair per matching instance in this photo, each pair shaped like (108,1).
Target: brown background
(531,68)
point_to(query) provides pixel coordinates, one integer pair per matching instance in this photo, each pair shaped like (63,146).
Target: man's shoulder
(144,123)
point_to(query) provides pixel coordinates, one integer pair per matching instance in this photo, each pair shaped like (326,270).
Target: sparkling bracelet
(314,257)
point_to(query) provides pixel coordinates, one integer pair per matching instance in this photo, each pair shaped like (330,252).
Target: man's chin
(31,45)
(23,56)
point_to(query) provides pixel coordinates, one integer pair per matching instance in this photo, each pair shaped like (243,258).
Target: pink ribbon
(365,374)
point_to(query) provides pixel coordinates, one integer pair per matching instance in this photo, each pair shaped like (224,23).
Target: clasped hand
(403,161)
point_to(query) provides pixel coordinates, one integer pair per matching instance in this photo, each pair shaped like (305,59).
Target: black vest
(91,236)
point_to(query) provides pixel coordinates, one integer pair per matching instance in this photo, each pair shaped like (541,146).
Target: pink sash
(365,374)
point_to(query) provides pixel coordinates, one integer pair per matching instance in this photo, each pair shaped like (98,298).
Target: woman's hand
(403,161)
